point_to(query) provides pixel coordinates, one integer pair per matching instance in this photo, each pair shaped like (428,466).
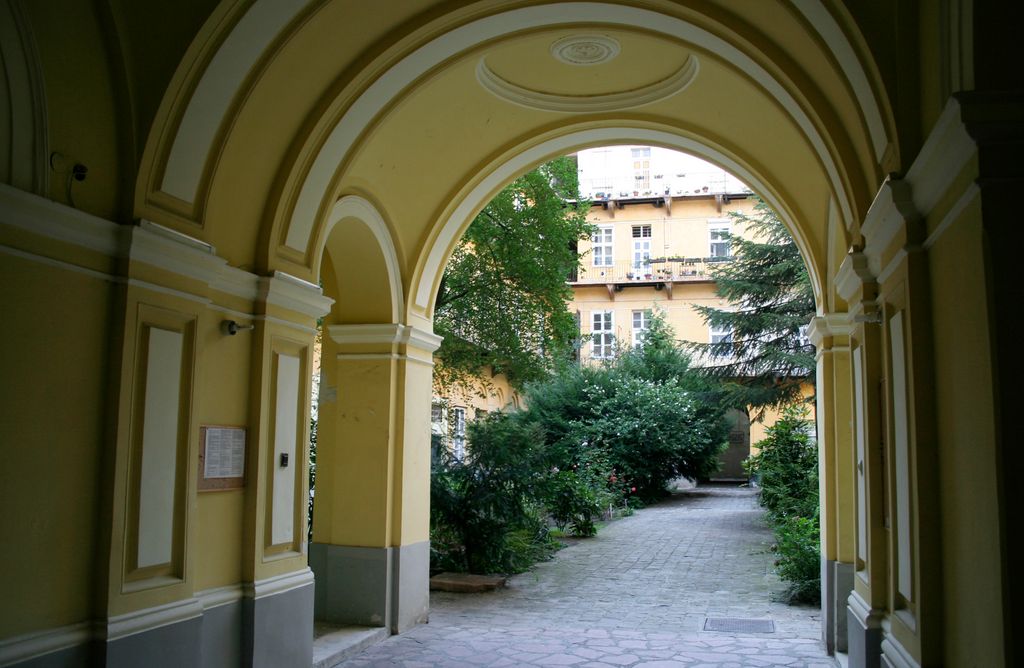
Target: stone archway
(220,139)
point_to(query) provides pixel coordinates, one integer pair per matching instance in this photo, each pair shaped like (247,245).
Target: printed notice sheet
(225,453)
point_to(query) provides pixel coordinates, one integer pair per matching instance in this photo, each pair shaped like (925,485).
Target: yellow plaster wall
(491,393)
(53,410)
(759,428)
(222,393)
(678,311)
(353,451)
(969,514)
(682,232)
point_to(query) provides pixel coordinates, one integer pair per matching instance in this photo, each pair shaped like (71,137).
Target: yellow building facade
(656,253)
(169,168)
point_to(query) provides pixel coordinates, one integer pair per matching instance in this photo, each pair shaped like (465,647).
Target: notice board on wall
(221,458)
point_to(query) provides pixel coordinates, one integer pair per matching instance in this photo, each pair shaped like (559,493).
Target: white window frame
(603,245)
(602,334)
(715,242)
(645,324)
(641,249)
(719,334)
(459,432)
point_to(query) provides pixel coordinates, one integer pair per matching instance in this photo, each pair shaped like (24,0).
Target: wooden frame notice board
(221,458)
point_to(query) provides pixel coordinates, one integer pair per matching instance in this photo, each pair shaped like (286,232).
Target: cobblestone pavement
(635,595)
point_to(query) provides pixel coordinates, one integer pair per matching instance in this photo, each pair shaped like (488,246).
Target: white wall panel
(285,430)
(901,457)
(159,447)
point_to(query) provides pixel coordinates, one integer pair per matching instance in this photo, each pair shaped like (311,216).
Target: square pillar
(371,549)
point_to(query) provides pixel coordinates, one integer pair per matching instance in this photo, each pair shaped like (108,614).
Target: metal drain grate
(739,625)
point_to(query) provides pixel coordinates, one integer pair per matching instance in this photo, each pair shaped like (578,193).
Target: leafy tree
(502,300)
(765,362)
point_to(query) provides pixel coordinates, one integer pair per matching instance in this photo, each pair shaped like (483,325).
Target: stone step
(331,647)
(466,582)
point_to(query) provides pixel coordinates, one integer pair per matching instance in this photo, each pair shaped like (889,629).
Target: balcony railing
(675,270)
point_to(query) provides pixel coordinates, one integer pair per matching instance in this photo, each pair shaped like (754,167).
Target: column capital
(855,283)
(823,328)
(393,340)
(294,294)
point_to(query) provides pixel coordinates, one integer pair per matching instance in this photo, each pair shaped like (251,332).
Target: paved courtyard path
(637,594)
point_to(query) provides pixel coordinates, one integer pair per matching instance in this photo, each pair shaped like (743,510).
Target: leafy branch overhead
(766,360)
(502,300)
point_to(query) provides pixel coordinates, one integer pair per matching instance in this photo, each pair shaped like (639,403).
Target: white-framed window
(642,152)
(602,246)
(602,334)
(641,323)
(459,437)
(720,334)
(718,239)
(641,249)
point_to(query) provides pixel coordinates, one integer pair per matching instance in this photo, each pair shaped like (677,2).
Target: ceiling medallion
(585,49)
(644,94)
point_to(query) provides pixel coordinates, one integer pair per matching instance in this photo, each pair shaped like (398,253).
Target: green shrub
(575,500)
(787,470)
(484,514)
(799,560)
(787,467)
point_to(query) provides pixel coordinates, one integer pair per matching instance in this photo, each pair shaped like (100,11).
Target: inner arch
(430,267)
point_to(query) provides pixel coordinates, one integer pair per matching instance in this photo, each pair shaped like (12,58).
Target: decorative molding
(339,137)
(889,214)
(870,617)
(38,643)
(582,104)
(388,333)
(384,333)
(362,209)
(60,264)
(294,294)
(148,619)
(896,655)
(430,268)
(238,282)
(178,253)
(212,598)
(219,83)
(943,156)
(818,16)
(49,219)
(383,356)
(422,339)
(853,276)
(828,326)
(154,245)
(279,584)
(585,50)
(951,216)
